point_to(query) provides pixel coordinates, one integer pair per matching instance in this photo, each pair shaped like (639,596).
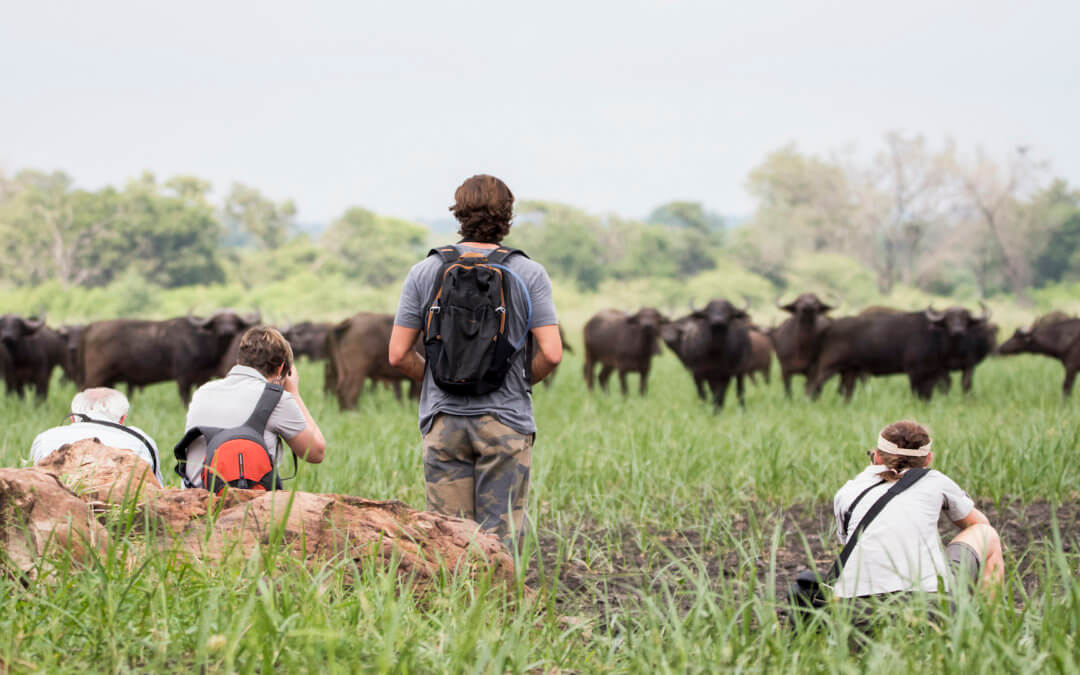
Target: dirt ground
(616,569)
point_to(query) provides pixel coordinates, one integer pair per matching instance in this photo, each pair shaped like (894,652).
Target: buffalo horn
(934,315)
(985,312)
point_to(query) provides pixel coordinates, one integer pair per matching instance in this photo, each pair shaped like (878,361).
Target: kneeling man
(264,357)
(99,413)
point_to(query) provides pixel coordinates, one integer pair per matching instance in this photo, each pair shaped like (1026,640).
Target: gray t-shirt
(512,403)
(227,403)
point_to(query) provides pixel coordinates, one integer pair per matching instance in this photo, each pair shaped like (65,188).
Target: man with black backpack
(479,308)
(235,424)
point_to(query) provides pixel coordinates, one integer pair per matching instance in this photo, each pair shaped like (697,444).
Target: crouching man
(264,376)
(99,413)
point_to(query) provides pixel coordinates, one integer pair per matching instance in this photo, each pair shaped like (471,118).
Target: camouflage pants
(478,468)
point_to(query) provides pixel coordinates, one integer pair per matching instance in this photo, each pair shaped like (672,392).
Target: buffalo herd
(716,343)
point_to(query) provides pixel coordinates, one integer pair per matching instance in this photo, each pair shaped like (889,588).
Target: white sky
(613,106)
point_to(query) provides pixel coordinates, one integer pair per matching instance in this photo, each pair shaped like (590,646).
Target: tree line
(923,216)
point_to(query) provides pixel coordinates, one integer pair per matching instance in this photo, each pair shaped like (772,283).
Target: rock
(39,517)
(100,473)
(312,527)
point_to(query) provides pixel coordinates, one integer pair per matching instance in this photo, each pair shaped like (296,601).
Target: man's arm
(974,517)
(309,445)
(402,356)
(548,353)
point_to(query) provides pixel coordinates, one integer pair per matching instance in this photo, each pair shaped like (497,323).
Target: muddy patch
(598,568)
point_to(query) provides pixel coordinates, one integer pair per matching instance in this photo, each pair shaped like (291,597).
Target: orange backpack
(236,457)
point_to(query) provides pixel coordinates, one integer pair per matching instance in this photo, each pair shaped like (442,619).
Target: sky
(614,106)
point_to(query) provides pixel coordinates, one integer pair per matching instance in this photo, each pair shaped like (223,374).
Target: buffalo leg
(643,386)
(185,391)
(1070,375)
(397,389)
(587,370)
(944,383)
(922,386)
(848,385)
(622,382)
(719,391)
(820,378)
(966,379)
(786,377)
(605,375)
(740,390)
(700,384)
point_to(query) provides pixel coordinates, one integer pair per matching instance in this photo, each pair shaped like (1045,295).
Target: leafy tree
(252,217)
(689,215)
(376,249)
(565,239)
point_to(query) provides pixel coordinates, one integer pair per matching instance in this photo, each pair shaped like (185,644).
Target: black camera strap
(128,430)
(910,477)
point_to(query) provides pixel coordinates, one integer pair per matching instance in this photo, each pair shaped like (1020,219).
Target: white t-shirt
(50,440)
(228,403)
(900,550)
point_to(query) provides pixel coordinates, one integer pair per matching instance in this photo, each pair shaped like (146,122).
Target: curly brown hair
(265,349)
(905,434)
(483,205)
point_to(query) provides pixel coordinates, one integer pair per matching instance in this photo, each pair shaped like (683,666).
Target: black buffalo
(623,342)
(30,352)
(1055,335)
(970,340)
(918,344)
(308,339)
(188,350)
(798,339)
(358,349)
(714,345)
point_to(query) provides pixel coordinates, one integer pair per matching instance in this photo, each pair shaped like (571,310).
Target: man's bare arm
(549,352)
(402,356)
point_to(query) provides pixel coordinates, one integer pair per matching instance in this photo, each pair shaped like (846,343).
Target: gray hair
(101,402)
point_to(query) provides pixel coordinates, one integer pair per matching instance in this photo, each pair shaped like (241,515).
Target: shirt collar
(247,371)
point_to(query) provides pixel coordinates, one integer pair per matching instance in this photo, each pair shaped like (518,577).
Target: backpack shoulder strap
(263,409)
(910,477)
(128,430)
(500,254)
(846,520)
(448,254)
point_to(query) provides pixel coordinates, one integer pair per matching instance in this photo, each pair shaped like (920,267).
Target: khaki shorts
(965,562)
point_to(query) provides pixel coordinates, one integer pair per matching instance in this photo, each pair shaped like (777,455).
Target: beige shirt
(227,403)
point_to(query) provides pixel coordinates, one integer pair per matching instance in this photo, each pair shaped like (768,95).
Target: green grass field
(659,536)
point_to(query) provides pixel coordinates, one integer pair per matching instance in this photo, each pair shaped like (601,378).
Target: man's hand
(402,356)
(291,382)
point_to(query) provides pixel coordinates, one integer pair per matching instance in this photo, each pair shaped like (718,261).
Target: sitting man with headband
(900,550)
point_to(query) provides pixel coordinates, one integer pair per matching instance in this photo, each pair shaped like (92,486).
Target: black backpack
(236,457)
(467,318)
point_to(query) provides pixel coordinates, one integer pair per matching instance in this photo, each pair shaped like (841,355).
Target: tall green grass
(618,484)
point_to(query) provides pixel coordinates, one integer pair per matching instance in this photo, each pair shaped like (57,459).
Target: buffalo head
(720,313)
(14,328)
(1022,340)
(958,321)
(648,317)
(226,323)
(806,307)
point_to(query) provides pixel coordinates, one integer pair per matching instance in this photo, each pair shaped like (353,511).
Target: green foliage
(376,250)
(691,215)
(251,217)
(165,234)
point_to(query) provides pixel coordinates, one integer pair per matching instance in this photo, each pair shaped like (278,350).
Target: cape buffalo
(357,349)
(970,340)
(1056,335)
(188,350)
(71,334)
(714,345)
(914,343)
(31,351)
(308,339)
(798,339)
(623,342)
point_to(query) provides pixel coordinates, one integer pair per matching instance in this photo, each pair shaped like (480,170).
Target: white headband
(885,445)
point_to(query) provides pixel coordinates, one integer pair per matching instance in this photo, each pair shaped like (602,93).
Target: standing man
(483,311)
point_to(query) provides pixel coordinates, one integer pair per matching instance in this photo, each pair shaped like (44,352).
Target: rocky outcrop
(60,497)
(41,520)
